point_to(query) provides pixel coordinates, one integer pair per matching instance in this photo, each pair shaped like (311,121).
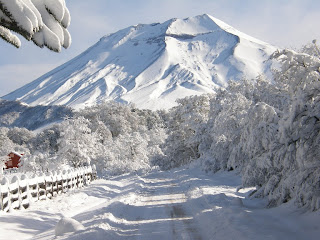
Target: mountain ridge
(151,65)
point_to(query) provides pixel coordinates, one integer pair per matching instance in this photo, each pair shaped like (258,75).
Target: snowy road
(184,204)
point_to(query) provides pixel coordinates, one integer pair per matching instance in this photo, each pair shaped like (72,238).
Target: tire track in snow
(175,205)
(183,224)
(189,229)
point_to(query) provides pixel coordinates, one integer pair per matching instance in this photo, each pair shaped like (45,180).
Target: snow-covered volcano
(152,65)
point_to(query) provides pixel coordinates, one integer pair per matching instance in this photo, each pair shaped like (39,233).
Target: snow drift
(67,225)
(152,65)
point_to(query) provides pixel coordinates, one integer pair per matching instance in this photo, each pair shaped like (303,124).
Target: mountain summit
(152,65)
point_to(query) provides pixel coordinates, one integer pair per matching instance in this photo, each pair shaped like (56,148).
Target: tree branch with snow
(44,22)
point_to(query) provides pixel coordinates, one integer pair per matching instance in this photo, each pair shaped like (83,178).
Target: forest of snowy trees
(267,131)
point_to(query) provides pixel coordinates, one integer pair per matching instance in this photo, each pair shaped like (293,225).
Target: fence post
(42,187)
(74,179)
(78,178)
(24,191)
(69,179)
(1,204)
(86,176)
(49,185)
(14,193)
(59,182)
(5,194)
(90,174)
(34,188)
(64,181)
(81,176)
(94,172)
(54,184)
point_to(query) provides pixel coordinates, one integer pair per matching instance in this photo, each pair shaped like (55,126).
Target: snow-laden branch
(44,22)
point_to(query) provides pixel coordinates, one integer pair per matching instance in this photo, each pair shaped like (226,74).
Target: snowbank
(67,225)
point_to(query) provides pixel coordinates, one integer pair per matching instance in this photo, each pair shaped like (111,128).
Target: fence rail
(20,192)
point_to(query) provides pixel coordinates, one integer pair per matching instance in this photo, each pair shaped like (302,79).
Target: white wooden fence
(19,192)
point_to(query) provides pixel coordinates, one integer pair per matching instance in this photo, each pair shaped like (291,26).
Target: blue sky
(284,23)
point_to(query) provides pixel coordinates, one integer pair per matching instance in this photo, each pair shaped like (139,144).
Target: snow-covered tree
(44,22)
(6,145)
(228,110)
(101,131)
(312,49)
(118,118)
(40,162)
(20,136)
(261,89)
(257,143)
(185,127)
(126,139)
(126,153)
(76,144)
(299,132)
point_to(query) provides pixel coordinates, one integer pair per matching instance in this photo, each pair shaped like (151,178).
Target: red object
(14,160)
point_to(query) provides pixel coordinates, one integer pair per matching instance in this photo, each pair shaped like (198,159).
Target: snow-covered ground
(178,204)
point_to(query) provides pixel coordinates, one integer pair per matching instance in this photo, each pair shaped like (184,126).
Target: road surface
(181,204)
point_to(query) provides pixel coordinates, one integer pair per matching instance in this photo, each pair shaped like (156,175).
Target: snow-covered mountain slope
(152,65)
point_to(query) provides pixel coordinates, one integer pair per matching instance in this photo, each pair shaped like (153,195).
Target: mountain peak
(151,65)
(194,25)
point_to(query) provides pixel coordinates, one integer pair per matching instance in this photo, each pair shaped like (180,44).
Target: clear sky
(284,23)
